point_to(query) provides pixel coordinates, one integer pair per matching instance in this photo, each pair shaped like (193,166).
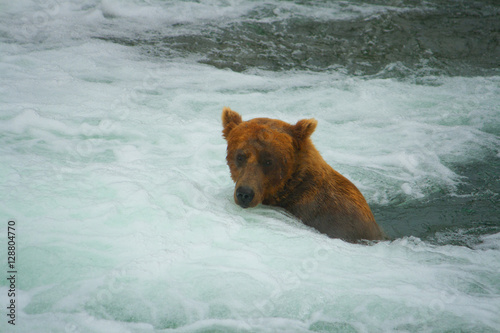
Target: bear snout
(244,196)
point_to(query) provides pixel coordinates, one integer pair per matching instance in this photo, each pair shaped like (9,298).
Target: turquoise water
(113,169)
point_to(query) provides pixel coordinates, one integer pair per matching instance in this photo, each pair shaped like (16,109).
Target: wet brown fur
(280,163)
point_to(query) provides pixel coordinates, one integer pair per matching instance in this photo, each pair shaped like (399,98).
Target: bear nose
(244,195)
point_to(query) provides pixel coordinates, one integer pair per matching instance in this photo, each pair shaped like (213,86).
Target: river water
(113,164)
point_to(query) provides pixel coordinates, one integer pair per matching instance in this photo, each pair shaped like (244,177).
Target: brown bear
(275,163)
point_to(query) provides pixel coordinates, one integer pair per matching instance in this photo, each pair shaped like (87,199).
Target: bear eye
(268,162)
(240,158)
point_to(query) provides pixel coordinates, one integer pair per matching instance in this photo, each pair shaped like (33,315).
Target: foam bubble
(30,119)
(489,242)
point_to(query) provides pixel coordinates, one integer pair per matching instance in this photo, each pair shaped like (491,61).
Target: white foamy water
(113,168)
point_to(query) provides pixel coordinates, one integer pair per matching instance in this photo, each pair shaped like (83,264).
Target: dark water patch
(460,218)
(451,43)
(439,38)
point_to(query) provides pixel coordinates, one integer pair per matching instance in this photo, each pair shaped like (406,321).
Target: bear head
(262,155)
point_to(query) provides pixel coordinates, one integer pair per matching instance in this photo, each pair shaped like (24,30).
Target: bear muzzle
(244,195)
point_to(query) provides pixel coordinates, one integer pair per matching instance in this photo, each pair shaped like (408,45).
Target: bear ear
(303,129)
(230,119)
